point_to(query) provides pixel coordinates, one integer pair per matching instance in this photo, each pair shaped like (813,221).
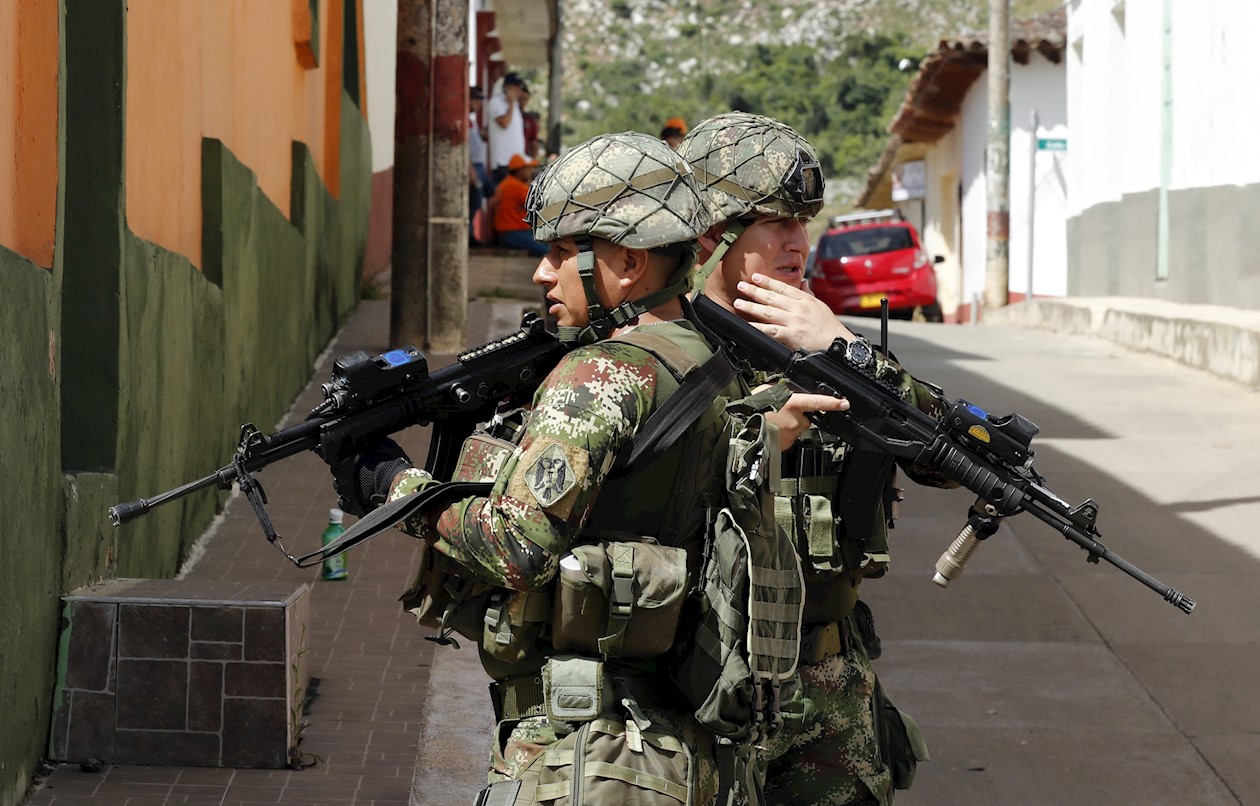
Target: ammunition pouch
(619,600)
(512,623)
(900,741)
(838,504)
(611,762)
(441,596)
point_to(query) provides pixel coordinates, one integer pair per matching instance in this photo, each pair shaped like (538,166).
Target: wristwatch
(859,353)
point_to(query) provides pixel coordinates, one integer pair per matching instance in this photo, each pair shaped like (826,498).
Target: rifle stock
(990,456)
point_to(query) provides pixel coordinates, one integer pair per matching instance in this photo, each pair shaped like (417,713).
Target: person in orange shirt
(509,208)
(674,131)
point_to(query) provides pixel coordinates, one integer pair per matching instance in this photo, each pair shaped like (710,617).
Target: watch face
(859,353)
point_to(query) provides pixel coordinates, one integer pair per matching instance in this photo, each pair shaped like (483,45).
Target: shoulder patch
(550,477)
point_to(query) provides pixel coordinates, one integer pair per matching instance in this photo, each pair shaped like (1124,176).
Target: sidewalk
(370,659)
(1224,341)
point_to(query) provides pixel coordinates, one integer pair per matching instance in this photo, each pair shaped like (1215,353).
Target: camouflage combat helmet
(632,190)
(751,165)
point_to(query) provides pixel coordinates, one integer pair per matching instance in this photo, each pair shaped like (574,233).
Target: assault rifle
(991,456)
(371,397)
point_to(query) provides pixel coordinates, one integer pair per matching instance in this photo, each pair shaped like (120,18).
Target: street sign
(1052,144)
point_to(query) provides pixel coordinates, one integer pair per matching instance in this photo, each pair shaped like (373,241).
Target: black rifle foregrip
(973,475)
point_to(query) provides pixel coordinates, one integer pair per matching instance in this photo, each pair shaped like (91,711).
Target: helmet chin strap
(600,321)
(734,229)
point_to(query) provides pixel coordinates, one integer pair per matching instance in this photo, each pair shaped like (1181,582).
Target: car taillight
(920,258)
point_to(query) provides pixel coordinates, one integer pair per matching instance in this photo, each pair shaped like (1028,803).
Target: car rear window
(864,242)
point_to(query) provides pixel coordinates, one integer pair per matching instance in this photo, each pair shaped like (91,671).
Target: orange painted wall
(29,55)
(226,69)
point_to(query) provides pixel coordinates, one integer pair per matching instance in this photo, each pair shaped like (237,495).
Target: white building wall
(1115,96)
(940,233)
(1039,85)
(380,46)
(1135,99)
(973,139)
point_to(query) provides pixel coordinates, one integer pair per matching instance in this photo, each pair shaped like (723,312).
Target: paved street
(1039,678)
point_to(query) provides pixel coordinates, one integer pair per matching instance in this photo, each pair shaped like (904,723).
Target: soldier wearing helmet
(574,572)
(763,183)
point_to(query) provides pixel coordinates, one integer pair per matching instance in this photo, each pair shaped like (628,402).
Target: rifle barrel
(223,478)
(1097,551)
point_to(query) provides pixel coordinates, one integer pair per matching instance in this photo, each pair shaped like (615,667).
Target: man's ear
(709,240)
(636,265)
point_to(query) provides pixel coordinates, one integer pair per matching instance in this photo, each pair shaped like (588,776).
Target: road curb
(1223,341)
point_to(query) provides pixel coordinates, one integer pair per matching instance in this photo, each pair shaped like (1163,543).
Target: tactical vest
(838,504)
(680,567)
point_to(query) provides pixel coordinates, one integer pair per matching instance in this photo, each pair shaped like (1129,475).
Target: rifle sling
(664,426)
(393,513)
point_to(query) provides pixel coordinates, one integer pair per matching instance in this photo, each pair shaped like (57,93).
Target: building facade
(1164,181)
(943,122)
(184,206)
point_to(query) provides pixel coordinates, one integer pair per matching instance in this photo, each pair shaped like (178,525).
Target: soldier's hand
(364,481)
(793,419)
(792,316)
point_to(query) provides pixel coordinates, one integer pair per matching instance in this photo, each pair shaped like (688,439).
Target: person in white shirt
(506,125)
(479,187)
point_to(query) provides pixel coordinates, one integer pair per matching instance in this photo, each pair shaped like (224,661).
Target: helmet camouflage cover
(753,165)
(629,188)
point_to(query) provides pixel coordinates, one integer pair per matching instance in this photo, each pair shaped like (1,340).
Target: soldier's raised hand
(792,316)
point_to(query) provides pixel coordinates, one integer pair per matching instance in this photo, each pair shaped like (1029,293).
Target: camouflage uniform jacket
(545,496)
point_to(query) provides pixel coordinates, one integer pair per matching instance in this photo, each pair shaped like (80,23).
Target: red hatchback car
(865,257)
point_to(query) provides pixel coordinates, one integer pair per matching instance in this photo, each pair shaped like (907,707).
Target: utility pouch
(610,762)
(575,689)
(481,458)
(901,742)
(741,669)
(440,597)
(512,623)
(619,600)
(444,600)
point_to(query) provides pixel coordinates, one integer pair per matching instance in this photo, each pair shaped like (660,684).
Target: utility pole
(448,182)
(555,72)
(428,305)
(409,278)
(998,163)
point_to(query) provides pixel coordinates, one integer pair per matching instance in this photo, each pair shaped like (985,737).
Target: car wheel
(928,313)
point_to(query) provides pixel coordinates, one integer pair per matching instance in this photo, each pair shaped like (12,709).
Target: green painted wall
(156,366)
(30,542)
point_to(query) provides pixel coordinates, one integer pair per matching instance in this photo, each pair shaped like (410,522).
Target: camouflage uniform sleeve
(586,409)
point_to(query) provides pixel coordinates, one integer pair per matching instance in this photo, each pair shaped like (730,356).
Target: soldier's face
(558,274)
(774,247)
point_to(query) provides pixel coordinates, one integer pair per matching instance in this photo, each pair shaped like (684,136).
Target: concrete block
(184,673)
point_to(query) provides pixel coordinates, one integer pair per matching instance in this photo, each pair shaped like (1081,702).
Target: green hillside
(830,68)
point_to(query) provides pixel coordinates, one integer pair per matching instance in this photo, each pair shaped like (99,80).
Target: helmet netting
(630,189)
(754,165)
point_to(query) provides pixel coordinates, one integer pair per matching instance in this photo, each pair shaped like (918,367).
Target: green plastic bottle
(333,567)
